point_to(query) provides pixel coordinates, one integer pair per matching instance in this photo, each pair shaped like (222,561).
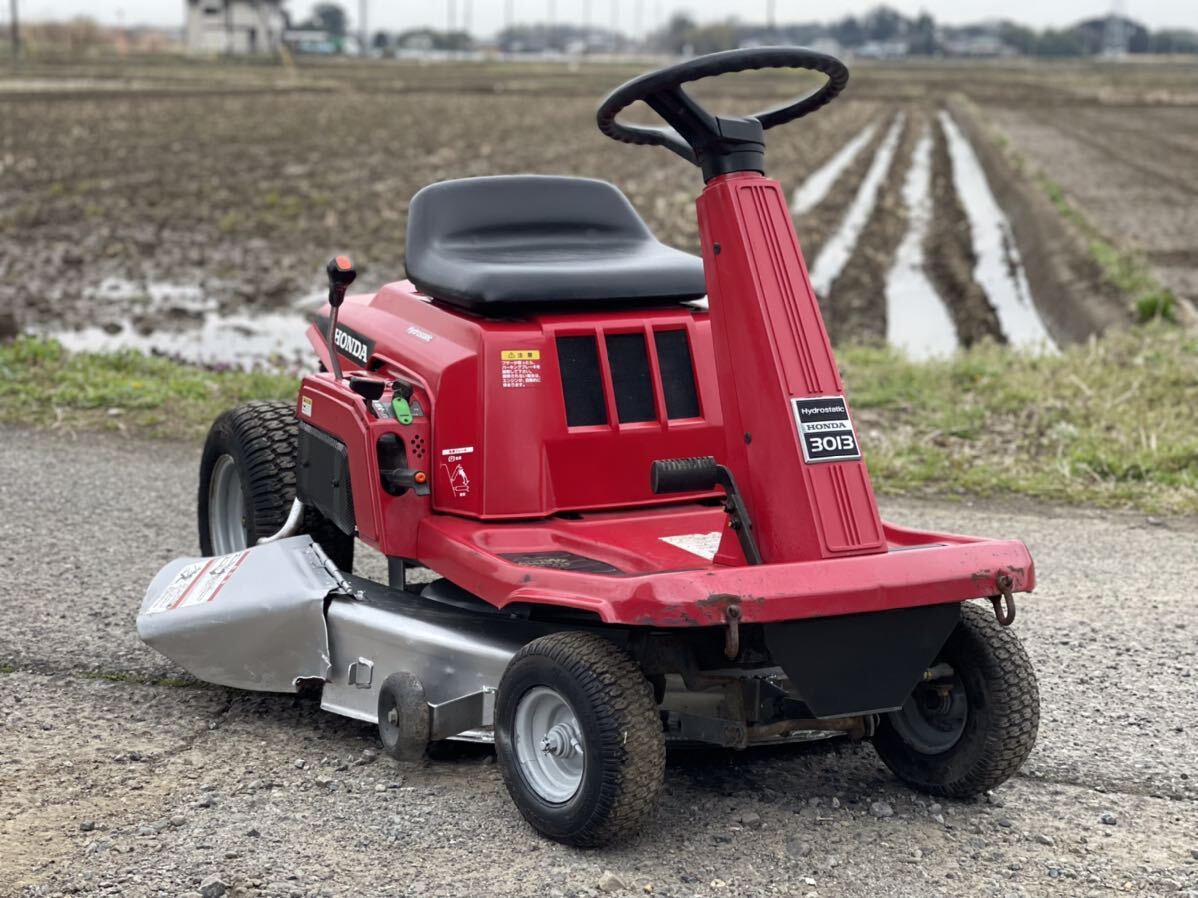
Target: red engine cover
(502,447)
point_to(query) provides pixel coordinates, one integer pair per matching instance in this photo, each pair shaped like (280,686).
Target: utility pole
(769,16)
(15,28)
(363,31)
(509,15)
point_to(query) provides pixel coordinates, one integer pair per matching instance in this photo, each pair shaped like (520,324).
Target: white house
(234,26)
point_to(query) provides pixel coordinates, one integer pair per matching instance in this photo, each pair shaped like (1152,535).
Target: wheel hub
(933,717)
(548,745)
(562,742)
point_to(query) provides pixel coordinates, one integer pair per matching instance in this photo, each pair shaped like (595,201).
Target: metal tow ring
(1004,603)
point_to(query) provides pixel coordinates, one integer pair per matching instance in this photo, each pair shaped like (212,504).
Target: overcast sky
(487,16)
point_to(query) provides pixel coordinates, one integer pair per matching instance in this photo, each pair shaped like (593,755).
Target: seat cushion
(494,245)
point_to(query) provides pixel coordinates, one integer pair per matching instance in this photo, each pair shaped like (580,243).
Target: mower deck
(654,568)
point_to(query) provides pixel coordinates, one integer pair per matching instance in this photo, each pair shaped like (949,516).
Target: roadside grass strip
(1109,422)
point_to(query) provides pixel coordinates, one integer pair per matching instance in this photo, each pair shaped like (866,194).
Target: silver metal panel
(462,715)
(251,620)
(454,653)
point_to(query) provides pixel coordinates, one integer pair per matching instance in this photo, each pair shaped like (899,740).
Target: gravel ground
(119,778)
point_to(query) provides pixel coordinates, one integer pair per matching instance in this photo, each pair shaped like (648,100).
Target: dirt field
(229,185)
(119,775)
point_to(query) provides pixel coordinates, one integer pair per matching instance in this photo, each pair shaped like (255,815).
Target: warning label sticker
(705,545)
(520,368)
(825,429)
(198,582)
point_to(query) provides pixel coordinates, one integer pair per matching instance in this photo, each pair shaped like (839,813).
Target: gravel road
(120,777)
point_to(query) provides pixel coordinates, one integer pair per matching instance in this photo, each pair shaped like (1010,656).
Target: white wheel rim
(226,508)
(548,744)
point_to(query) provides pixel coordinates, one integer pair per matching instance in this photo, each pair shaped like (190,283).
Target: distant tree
(923,36)
(1018,37)
(848,32)
(678,33)
(381,40)
(1174,40)
(329,17)
(1052,42)
(883,24)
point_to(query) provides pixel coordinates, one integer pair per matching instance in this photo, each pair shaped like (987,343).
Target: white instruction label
(197,583)
(705,545)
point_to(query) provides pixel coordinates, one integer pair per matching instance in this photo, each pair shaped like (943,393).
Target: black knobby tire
(260,437)
(621,732)
(1002,715)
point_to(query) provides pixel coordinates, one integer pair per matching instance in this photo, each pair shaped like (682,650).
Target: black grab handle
(684,475)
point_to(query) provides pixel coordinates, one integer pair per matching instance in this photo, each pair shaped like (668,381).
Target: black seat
(496,245)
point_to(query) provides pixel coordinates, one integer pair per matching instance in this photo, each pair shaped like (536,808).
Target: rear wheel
(972,727)
(247,483)
(579,739)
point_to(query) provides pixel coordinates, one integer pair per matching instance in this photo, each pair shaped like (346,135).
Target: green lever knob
(403,412)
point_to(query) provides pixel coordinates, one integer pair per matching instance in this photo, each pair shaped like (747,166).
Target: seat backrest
(535,208)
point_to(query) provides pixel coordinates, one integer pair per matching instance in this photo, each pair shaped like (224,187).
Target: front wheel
(579,739)
(247,483)
(972,727)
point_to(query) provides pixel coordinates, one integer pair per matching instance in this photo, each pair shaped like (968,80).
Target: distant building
(977,46)
(245,27)
(883,49)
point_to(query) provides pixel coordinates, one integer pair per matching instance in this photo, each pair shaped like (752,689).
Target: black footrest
(684,475)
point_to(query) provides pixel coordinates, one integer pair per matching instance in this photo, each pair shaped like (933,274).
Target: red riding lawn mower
(649,521)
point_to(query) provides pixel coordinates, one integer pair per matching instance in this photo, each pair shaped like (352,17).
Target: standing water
(836,252)
(179,321)
(999,271)
(917,320)
(812,191)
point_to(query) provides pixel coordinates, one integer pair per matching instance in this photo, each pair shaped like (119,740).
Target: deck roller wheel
(579,739)
(403,717)
(970,726)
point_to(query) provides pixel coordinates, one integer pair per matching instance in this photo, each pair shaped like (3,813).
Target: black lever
(692,475)
(341,274)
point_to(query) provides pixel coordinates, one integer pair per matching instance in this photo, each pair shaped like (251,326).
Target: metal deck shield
(251,620)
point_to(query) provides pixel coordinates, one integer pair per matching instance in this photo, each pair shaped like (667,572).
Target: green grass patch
(139,680)
(44,386)
(1111,422)
(1126,270)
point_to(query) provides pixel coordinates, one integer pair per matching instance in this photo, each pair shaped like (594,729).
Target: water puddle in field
(836,252)
(812,191)
(917,320)
(999,270)
(181,322)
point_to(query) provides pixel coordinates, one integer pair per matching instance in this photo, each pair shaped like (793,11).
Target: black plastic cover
(860,663)
(322,476)
(499,244)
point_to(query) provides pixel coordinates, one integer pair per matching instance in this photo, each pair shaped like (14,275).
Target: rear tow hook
(1004,602)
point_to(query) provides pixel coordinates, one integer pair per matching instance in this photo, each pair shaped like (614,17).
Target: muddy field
(189,208)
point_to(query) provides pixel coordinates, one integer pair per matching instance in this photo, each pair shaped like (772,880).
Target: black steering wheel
(715,143)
